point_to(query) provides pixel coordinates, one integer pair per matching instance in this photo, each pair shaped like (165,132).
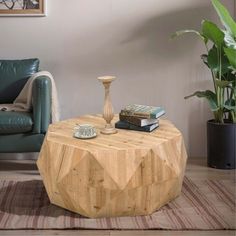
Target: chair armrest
(41,100)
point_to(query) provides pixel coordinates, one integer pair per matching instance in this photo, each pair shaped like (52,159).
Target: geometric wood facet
(125,174)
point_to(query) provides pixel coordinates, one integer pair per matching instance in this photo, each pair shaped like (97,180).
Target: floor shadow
(29,198)
(6,165)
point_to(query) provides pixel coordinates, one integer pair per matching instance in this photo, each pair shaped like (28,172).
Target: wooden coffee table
(125,174)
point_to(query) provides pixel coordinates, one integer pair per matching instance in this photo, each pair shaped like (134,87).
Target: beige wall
(83,39)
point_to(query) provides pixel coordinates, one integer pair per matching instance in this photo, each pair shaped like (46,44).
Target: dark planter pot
(221,145)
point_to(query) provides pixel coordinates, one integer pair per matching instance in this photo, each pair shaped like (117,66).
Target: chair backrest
(13,76)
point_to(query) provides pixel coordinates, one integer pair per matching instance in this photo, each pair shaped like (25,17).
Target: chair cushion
(13,76)
(12,122)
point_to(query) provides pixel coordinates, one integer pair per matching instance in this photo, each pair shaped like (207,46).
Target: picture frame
(22,7)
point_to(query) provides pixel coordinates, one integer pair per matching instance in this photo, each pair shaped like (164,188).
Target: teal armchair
(23,131)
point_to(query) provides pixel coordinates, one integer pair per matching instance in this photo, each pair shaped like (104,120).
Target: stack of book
(139,117)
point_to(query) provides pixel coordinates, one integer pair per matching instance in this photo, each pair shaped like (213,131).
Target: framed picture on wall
(22,7)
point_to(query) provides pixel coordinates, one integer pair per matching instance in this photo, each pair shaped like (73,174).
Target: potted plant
(220,57)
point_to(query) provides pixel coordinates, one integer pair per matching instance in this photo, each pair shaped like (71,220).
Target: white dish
(76,135)
(84,131)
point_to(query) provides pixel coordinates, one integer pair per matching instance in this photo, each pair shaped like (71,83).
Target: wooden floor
(27,170)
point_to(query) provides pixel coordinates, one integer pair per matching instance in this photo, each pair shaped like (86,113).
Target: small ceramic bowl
(84,131)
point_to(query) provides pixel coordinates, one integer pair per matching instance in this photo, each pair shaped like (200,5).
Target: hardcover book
(126,125)
(142,111)
(137,120)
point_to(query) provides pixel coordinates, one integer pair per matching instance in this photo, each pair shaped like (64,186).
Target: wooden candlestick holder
(108,113)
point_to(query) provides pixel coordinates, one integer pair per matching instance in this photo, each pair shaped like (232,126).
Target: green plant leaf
(233,71)
(229,40)
(212,61)
(182,32)
(230,76)
(213,33)
(222,83)
(231,55)
(225,17)
(209,95)
(230,105)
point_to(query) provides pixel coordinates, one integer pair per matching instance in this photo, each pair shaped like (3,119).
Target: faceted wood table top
(127,173)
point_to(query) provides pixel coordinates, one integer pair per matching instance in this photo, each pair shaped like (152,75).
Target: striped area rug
(206,205)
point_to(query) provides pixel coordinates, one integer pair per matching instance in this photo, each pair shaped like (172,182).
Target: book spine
(138,114)
(130,119)
(125,125)
(137,128)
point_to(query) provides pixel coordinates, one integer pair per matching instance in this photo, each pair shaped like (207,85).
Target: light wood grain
(196,169)
(128,173)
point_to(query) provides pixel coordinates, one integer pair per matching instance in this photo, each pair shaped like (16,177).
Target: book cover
(126,125)
(143,111)
(137,120)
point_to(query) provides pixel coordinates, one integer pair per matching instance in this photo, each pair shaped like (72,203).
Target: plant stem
(233,115)
(220,91)
(212,73)
(234,98)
